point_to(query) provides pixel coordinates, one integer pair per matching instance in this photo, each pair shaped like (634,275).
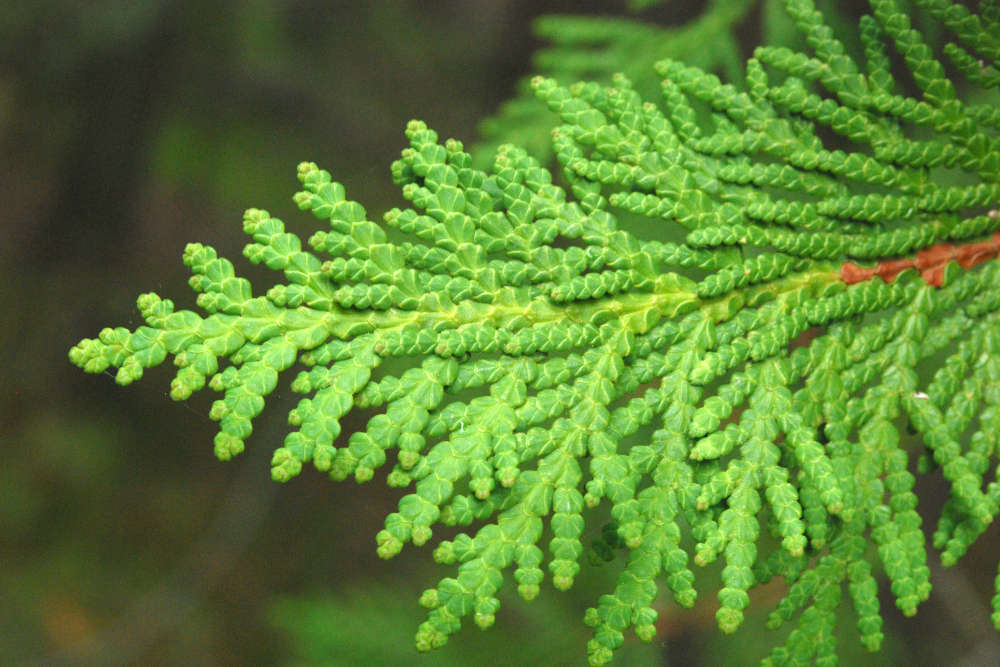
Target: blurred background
(128,129)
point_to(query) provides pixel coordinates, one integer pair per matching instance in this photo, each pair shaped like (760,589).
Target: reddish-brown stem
(929,261)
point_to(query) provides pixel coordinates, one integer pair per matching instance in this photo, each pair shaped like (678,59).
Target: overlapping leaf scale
(260,339)
(898,480)
(957,529)
(646,522)
(538,338)
(595,48)
(622,143)
(477,433)
(875,464)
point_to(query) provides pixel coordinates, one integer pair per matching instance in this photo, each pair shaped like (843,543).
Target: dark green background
(128,129)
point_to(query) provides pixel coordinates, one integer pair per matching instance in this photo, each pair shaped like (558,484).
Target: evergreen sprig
(745,384)
(594,48)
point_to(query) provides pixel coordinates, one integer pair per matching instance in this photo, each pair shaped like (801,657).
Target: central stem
(930,262)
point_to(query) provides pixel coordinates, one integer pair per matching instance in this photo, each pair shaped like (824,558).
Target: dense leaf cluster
(727,395)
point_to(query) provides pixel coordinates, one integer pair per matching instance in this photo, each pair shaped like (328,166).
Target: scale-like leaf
(831,279)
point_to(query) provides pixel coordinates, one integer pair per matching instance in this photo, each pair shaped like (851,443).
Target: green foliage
(373,625)
(733,393)
(595,48)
